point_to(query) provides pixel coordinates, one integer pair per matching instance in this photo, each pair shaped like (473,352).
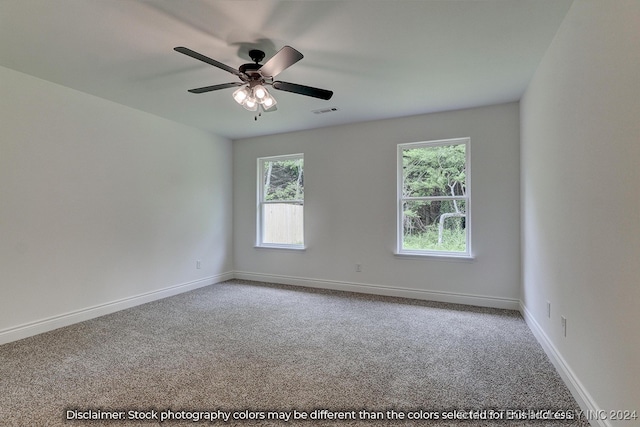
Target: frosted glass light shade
(250,104)
(269,102)
(241,95)
(260,93)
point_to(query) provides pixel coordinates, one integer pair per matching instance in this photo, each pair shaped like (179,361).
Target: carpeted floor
(266,354)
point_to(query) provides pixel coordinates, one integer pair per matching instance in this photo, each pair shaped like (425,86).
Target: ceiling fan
(252,93)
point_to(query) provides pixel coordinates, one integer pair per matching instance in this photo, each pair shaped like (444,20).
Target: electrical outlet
(359,268)
(198,264)
(549,309)
(564,325)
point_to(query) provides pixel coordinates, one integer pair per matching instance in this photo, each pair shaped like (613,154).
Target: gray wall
(102,206)
(581,204)
(350,209)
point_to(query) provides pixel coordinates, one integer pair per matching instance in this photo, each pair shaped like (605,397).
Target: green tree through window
(434,197)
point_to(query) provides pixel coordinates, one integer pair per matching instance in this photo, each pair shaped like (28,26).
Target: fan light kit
(252,93)
(254,98)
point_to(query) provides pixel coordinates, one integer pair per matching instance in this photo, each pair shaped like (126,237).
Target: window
(281,202)
(433,198)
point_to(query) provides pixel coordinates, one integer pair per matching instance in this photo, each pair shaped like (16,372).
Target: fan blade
(283,59)
(208,60)
(303,90)
(215,87)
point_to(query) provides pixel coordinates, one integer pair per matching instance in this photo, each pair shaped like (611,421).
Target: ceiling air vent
(325,110)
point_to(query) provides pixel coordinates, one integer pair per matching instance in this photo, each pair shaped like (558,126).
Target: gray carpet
(244,346)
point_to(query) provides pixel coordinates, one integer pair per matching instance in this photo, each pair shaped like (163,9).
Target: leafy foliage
(434,172)
(284,180)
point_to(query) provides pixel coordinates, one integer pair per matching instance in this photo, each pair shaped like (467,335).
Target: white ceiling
(382,58)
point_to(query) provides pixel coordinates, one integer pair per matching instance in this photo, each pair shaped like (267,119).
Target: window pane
(434,171)
(283,223)
(283,180)
(436,225)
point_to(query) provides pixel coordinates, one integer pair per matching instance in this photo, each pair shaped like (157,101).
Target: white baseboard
(582,396)
(44,325)
(365,288)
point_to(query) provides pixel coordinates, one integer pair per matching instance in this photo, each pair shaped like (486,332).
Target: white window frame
(260,202)
(467,199)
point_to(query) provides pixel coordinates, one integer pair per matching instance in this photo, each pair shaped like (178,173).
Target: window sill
(282,247)
(444,257)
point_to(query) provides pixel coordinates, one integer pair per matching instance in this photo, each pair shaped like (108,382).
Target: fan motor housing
(250,69)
